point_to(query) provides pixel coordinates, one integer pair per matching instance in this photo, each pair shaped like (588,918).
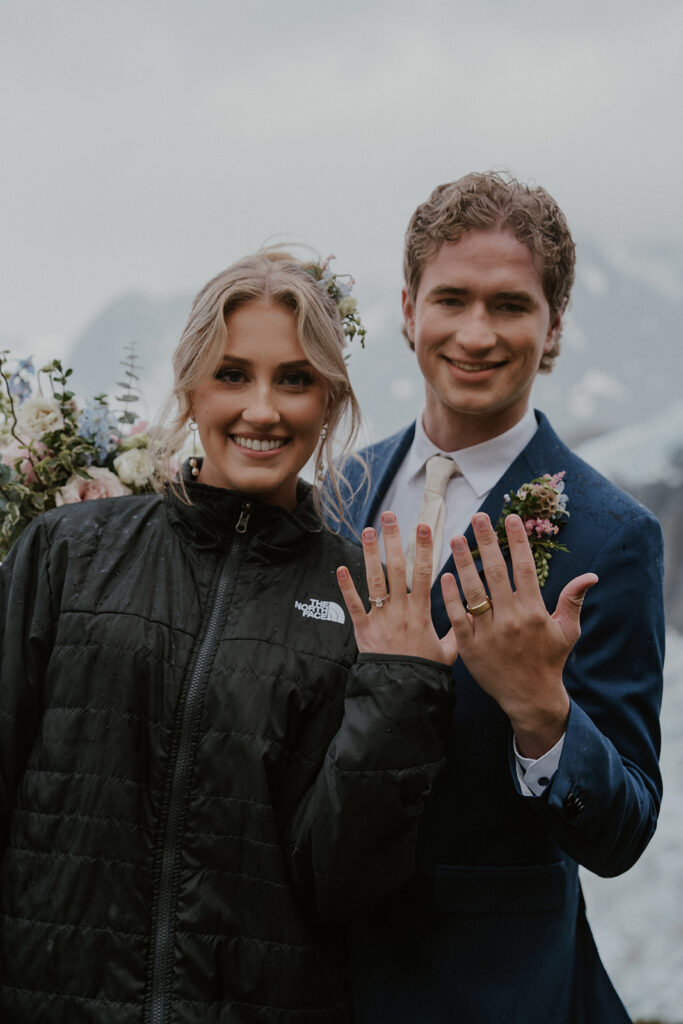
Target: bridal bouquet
(54,452)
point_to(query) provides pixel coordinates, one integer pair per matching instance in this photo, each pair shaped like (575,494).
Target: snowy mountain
(621,359)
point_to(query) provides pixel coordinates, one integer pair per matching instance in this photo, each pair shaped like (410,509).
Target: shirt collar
(483,464)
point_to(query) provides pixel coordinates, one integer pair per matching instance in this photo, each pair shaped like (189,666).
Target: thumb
(449,646)
(568,611)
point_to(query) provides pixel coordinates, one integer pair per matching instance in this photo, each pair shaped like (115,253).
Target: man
(545,771)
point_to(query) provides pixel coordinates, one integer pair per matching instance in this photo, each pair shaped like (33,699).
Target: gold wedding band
(479,609)
(379,602)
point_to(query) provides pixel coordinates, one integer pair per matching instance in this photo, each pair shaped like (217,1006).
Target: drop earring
(320,475)
(194,468)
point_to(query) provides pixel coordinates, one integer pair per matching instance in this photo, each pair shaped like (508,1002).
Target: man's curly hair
(493,201)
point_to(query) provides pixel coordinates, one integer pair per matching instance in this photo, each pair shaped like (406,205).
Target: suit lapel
(383,463)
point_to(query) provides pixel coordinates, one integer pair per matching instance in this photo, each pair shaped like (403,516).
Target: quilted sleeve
(26,628)
(352,837)
(602,803)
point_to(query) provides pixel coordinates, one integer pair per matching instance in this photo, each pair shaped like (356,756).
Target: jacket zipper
(162,929)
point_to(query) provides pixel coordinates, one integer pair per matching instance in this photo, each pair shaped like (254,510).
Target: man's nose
(475,330)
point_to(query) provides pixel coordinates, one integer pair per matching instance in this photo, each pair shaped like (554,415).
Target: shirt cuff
(534,774)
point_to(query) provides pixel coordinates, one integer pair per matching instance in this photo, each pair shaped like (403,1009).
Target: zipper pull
(243,521)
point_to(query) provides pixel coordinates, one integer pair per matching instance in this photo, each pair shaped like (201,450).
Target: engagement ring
(380,601)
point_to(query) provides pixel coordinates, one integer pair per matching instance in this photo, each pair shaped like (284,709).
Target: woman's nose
(261,410)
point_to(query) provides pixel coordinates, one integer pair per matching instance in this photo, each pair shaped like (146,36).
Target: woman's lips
(260,445)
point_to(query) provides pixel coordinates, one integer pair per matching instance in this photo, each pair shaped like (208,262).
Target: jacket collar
(209,522)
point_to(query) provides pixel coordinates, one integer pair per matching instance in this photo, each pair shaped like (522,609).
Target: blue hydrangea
(19,387)
(98,424)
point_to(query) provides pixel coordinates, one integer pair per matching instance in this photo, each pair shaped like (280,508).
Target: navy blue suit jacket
(492,927)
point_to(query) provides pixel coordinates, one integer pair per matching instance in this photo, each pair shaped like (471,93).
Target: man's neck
(454,433)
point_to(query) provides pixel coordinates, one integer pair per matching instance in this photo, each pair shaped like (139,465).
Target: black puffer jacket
(199,777)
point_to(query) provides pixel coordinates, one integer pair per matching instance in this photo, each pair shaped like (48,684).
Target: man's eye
(230,375)
(512,307)
(450,300)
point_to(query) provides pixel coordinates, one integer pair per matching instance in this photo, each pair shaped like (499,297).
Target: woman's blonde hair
(276,276)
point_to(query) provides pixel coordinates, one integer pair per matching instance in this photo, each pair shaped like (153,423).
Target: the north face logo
(330,611)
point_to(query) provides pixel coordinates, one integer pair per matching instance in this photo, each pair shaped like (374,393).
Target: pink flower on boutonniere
(542,506)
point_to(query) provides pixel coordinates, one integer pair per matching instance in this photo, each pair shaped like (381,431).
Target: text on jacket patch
(330,611)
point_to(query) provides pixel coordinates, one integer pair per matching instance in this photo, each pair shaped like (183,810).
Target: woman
(200,775)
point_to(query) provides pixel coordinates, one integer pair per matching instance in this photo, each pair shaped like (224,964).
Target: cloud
(146,145)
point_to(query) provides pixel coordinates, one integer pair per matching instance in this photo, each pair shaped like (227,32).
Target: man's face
(480,324)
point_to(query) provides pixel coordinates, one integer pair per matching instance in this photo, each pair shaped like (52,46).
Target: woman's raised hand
(398,622)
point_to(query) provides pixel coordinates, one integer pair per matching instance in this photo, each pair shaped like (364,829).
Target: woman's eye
(229,374)
(299,379)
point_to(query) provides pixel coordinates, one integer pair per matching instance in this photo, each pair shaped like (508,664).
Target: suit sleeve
(602,803)
(26,626)
(352,837)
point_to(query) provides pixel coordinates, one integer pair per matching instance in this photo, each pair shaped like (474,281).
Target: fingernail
(514,522)
(459,543)
(480,519)
(342,572)
(388,518)
(423,530)
(369,533)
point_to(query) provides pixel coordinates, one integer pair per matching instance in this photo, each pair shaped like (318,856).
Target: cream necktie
(432,510)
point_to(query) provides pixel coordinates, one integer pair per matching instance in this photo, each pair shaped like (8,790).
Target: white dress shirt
(481,465)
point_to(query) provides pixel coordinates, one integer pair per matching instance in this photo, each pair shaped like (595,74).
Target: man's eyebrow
(448,289)
(515,296)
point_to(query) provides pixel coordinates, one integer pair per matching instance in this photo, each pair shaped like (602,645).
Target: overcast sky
(145,145)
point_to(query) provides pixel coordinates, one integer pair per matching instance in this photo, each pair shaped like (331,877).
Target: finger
(461,623)
(470,581)
(353,603)
(568,611)
(395,559)
(423,565)
(495,569)
(454,604)
(374,572)
(522,557)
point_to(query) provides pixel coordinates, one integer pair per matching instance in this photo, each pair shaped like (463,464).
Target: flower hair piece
(542,507)
(338,287)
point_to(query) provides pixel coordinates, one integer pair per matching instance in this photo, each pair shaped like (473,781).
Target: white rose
(134,467)
(38,416)
(347,306)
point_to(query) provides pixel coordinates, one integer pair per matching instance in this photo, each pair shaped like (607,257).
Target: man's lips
(471,367)
(259,444)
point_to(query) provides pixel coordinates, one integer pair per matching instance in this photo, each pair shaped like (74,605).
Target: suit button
(544,780)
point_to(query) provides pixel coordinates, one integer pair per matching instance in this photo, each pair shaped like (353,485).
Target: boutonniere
(542,507)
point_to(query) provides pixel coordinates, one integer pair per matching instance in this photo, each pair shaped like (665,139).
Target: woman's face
(260,415)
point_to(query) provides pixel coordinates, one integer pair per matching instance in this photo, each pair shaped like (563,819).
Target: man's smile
(469,367)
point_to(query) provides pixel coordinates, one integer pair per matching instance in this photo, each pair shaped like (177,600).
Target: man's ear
(408,308)
(553,331)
